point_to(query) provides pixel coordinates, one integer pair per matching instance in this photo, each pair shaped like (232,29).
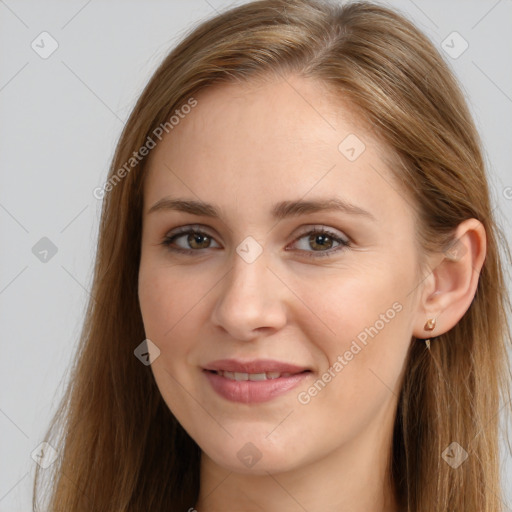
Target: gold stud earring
(430,325)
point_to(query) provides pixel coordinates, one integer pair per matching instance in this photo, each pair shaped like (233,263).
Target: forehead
(280,113)
(268,141)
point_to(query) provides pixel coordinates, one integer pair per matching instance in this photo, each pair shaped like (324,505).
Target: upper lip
(254,366)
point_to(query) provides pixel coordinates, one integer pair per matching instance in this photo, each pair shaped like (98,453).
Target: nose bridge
(249,268)
(248,300)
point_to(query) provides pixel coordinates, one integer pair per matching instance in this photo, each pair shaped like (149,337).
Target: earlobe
(451,287)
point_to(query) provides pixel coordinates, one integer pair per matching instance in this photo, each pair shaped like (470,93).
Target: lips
(254,381)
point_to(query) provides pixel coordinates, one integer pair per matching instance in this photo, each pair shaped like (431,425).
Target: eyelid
(304,230)
(188,228)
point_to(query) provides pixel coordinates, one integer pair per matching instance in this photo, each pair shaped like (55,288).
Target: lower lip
(253,391)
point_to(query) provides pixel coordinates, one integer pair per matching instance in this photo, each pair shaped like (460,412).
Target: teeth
(257,376)
(252,376)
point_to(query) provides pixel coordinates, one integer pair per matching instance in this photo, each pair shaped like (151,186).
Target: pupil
(320,240)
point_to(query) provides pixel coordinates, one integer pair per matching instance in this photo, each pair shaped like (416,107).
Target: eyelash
(168,240)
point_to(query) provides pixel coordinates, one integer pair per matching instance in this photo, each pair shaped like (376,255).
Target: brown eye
(321,242)
(192,240)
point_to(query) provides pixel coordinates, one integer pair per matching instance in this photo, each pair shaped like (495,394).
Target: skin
(243,148)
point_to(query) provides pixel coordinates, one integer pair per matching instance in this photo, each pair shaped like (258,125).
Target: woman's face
(257,285)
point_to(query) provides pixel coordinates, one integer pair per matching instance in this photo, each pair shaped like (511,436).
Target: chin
(254,455)
(262,467)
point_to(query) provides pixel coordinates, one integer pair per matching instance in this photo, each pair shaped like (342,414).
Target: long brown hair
(120,448)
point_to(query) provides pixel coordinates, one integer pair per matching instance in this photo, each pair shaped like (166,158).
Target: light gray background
(60,120)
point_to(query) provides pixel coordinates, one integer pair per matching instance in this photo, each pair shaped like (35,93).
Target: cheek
(166,297)
(164,304)
(349,304)
(171,300)
(167,308)
(360,330)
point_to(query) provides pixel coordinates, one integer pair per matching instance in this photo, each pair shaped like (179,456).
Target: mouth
(253,381)
(269,367)
(243,376)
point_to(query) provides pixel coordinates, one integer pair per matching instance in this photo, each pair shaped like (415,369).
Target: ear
(449,289)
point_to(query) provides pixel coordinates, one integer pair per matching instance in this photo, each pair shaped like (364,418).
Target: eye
(194,240)
(322,241)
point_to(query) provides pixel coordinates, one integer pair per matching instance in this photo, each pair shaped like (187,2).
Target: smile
(253,387)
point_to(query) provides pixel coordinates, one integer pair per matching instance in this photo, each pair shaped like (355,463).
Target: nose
(251,299)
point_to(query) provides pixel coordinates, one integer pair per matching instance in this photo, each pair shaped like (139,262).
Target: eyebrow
(279,211)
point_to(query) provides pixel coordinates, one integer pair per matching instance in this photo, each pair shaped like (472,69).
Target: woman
(298,285)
